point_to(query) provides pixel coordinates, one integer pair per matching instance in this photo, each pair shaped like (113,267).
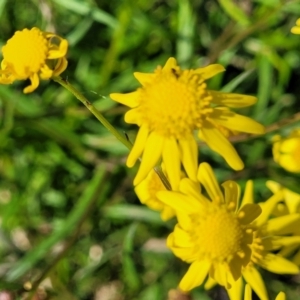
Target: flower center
(219,234)
(26,52)
(175,102)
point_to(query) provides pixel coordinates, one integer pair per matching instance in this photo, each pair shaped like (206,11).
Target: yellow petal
(130,99)
(248,292)
(195,275)
(248,193)
(219,143)
(34,78)
(208,180)
(151,155)
(231,192)
(144,78)
(138,146)
(232,100)
(253,277)
(235,121)
(179,202)
(189,156)
(191,188)
(210,283)
(210,71)
(171,160)
(268,207)
(133,117)
(249,213)
(281,295)
(279,265)
(283,225)
(171,63)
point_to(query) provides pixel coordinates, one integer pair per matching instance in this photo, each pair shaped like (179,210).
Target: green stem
(93,110)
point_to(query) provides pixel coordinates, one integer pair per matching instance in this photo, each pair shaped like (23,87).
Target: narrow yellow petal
(249,213)
(130,99)
(210,71)
(151,155)
(210,283)
(253,277)
(171,63)
(219,143)
(279,265)
(34,78)
(209,181)
(171,160)
(133,116)
(232,100)
(138,146)
(248,193)
(281,295)
(191,188)
(179,202)
(235,121)
(195,275)
(248,293)
(144,78)
(236,290)
(189,156)
(283,225)
(232,193)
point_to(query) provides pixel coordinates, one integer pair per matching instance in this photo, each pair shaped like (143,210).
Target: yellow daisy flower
(146,191)
(286,151)
(269,236)
(33,54)
(248,294)
(213,234)
(172,104)
(296,29)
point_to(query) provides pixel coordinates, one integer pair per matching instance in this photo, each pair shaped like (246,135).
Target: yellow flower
(34,55)
(172,104)
(146,191)
(296,29)
(269,235)
(213,234)
(286,151)
(248,294)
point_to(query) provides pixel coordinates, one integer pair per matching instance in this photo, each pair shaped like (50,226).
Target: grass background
(68,213)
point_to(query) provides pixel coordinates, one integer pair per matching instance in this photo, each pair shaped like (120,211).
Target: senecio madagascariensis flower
(33,54)
(172,104)
(213,234)
(286,151)
(296,29)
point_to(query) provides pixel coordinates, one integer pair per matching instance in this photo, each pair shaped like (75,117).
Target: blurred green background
(70,221)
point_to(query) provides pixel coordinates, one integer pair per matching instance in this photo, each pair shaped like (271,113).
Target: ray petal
(195,275)
(236,290)
(171,160)
(220,144)
(209,181)
(144,78)
(232,100)
(138,146)
(189,155)
(236,122)
(171,63)
(279,265)
(152,153)
(210,71)
(130,99)
(254,279)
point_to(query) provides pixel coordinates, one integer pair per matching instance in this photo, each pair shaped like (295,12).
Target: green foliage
(68,211)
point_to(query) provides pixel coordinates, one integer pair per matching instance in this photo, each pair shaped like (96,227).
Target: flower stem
(93,110)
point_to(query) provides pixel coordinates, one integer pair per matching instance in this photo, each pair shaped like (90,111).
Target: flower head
(146,191)
(213,234)
(296,29)
(172,104)
(269,236)
(286,151)
(33,54)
